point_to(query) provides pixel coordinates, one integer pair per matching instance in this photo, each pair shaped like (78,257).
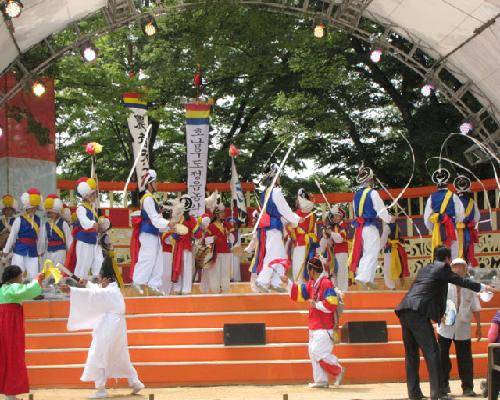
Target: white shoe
(340,377)
(362,284)
(138,289)
(278,289)
(372,285)
(261,288)
(100,394)
(318,385)
(138,386)
(154,291)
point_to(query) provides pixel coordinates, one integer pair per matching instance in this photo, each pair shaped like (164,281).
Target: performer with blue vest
(8,207)
(55,234)
(150,268)
(442,212)
(276,210)
(88,255)
(24,235)
(467,232)
(368,209)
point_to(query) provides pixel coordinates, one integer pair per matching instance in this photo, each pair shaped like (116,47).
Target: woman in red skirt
(13,371)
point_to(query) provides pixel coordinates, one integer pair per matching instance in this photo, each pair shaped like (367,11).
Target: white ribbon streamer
(136,161)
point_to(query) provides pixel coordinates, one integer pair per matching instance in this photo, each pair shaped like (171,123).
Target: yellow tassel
(49,269)
(396,267)
(436,232)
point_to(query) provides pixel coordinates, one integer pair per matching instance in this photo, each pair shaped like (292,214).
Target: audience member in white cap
(458,330)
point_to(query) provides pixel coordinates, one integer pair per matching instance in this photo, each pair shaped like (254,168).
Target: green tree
(272,80)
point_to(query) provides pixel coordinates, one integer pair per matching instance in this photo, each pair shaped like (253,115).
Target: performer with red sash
(323,301)
(304,238)
(182,269)
(442,212)
(55,233)
(219,274)
(467,230)
(336,229)
(8,207)
(271,223)
(149,269)
(395,257)
(84,255)
(13,371)
(25,233)
(368,209)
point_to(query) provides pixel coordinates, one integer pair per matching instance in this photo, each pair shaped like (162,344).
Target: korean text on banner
(197,137)
(138,125)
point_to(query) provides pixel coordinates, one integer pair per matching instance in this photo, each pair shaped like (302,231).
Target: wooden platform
(179,341)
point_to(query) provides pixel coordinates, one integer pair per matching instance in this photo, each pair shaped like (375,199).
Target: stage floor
(378,391)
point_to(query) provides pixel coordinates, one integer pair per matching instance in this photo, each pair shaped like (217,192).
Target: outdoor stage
(178,341)
(377,391)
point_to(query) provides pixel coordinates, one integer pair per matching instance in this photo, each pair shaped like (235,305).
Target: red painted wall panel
(16,141)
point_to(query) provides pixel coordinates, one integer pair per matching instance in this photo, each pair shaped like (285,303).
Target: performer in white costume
(24,235)
(467,231)
(276,210)
(8,206)
(88,256)
(368,207)
(150,268)
(304,238)
(443,211)
(336,229)
(55,234)
(101,307)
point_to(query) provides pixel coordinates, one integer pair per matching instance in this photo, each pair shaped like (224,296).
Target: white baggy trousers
(185,283)
(371,249)
(149,268)
(27,264)
(298,260)
(88,258)
(342,278)
(275,249)
(320,349)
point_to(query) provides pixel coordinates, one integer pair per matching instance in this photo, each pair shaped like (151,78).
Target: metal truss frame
(345,15)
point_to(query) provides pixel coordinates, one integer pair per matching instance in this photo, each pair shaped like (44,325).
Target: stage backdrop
(197,138)
(25,160)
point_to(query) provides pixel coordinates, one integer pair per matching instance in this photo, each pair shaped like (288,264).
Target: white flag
(138,126)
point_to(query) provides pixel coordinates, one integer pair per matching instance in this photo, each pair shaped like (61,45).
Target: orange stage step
(179,341)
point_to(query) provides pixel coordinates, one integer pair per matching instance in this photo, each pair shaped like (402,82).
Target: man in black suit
(426,302)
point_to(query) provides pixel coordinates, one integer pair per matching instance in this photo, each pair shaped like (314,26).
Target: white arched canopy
(439,27)
(443,26)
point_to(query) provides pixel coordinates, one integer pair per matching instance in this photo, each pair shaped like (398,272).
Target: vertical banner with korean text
(197,138)
(138,125)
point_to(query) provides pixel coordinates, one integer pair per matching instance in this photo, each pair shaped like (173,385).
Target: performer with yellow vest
(395,257)
(467,230)
(150,267)
(25,233)
(442,212)
(336,229)
(271,246)
(8,206)
(84,253)
(55,234)
(304,238)
(368,209)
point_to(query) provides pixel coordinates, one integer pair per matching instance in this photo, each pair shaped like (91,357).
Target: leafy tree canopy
(272,80)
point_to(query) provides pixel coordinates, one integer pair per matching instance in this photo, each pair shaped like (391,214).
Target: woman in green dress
(13,371)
